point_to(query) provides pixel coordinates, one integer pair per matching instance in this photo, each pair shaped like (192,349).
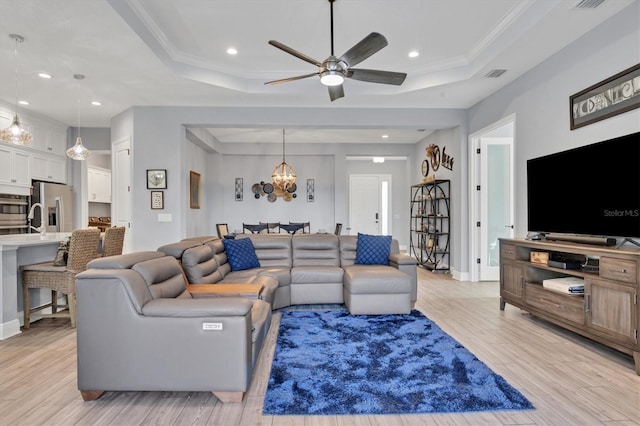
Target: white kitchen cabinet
(99,185)
(51,168)
(56,142)
(14,167)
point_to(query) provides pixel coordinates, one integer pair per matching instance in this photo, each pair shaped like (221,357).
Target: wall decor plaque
(615,95)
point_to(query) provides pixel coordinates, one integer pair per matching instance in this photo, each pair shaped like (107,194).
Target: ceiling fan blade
(336,92)
(295,53)
(286,80)
(364,48)
(377,76)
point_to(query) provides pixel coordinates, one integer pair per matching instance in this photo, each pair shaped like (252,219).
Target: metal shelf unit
(430,223)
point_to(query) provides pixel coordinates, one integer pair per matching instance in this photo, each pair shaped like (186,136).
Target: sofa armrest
(194,308)
(402,259)
(408,265)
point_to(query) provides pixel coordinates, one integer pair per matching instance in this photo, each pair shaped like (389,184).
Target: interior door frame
(117,197)
(475,210)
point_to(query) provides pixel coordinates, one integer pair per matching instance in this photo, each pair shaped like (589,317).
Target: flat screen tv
(593,190)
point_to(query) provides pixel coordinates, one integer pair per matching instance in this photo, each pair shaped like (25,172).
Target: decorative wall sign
(447,160)
(156,179)
(433,152)
(425,167)
(311,189)
(437,159)
(194,190)
(157,200)
(239,189)
(615,95)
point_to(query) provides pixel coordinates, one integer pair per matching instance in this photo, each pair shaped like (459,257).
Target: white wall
(255,169)
(449,140)
(158,141)
(540,100)
(197,222)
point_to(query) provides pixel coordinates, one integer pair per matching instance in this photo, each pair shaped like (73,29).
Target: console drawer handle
(618,271)
(587,302)
(548,302)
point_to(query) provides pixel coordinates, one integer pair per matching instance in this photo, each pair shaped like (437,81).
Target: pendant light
(78,151)
(283,175)
(15,133)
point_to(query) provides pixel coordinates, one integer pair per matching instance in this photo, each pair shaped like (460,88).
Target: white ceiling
(161,52)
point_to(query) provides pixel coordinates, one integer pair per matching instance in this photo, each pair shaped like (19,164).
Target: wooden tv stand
(608,311)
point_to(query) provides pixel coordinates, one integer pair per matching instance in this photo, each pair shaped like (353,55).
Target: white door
(496,205)
(493,209)
(121,188)
(369,201)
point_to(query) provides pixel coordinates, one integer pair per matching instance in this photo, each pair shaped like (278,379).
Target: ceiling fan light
(331,78)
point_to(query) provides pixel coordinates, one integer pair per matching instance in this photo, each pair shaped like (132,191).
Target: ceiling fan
(333,70)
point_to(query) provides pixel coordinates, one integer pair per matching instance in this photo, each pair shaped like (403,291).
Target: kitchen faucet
(42,229)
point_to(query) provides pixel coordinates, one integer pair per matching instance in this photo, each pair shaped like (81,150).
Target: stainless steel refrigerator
(56,205)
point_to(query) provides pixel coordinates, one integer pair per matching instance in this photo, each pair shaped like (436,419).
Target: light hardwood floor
(570,380)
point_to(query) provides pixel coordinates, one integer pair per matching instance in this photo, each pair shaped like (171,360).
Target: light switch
(164,217)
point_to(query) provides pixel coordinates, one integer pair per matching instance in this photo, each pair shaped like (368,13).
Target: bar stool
(113,241)
(83,247)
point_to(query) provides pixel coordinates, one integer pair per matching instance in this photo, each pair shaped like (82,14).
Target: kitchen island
(15,251)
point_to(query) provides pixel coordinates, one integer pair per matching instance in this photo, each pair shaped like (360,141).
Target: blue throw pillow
(373,249)
(241,254)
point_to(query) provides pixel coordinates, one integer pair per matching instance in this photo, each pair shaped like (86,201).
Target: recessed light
(232,51)
(23,102)
(385,136)
(44,75)
(96,103)
(378,160)
(414,54)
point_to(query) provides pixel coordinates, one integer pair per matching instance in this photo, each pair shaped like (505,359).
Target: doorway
(99,189)
(492,209)
(369,204)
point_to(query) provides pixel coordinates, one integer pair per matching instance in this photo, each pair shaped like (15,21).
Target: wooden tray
(251,291)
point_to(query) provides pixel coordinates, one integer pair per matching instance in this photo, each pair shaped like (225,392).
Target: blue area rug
(331,362)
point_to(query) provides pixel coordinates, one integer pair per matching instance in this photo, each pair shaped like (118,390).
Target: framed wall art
(311,190)
(239,189)
(156,179)
(157,200)
(615,95)
(194,190)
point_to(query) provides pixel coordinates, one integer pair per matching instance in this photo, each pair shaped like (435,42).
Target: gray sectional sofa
(139,328)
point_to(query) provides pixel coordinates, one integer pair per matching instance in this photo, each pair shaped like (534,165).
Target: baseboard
(9,329)
(460,276)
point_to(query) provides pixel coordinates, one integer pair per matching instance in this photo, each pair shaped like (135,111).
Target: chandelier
(78,151)
(283,176)
(15,133)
